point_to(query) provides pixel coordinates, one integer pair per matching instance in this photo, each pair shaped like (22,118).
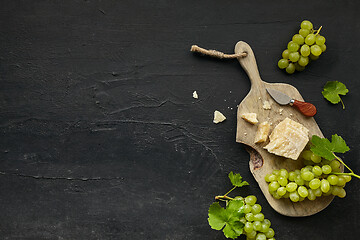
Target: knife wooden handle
(305,108)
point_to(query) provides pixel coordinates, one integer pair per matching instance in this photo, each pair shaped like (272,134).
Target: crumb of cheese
(218,117)
(266,105)
(250,117)
(195,95)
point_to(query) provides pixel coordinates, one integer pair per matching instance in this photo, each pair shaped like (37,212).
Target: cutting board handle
(248,63)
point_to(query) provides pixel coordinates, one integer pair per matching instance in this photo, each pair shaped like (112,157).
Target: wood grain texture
(253,103)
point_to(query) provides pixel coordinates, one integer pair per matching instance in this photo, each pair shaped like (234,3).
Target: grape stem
(342,103)
(349,174)
(339,159)
(219,197)
(318,31)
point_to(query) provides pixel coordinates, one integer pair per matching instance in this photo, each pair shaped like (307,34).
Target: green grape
(315,50)
(304,169)
(260,236)
(282,181)
(285,54)
(325,186)
(294,56)
(267,222)
(334,164)
(341,181)
(306,24)
(271,239)
(275,195)
(292,176)
(273,186)
(329,192)
(318,192)
(310,39)
(315,158)
(294,196)
(317,171)
(276,172)
(290,69)
(251,200)
(248,227)
(243,220)
(303,192)
(286,195)
(252,234)
(299,181)
(303,61)
(272,178)
(347,178)
(270,233)
(301,199)
(307,176)
(293,47)
(342,193)
(307,153)
(306,183)
(298,67)
(284,173)
(312,57)
(249,217)
(337,170)
(323,47)
(256,208)
(297,38)
(309,168)
(320,40)
(336,190)
(333,179)
(311,195)
(305,51)
(283,63)
(257,225)
(247,208)
(326,169)
(304,32)
(291,187)
(264,227)
(281,191)
(297,171)
(259,217)
(315,183)
(267,177)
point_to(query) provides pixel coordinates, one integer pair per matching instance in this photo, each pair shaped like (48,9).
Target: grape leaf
(227,219)
(326,149)
(236,180)
(332,90)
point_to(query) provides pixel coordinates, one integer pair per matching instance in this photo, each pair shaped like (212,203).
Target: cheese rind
(250,117)
(218,117)
(262,132)
(288,139)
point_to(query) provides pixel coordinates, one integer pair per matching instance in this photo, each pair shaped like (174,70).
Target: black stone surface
(100,137)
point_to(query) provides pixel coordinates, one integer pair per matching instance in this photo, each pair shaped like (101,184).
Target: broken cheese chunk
(218,117)
(288,139)
(250,117)
(195,95)
(262,132)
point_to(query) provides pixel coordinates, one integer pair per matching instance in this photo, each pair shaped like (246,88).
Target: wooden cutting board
(261,161)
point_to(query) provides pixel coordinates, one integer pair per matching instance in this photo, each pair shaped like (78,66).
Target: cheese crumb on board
(195,95)
(280,111)
(266,105)
(262,132)
(250,117)
(288,139)
(218,117)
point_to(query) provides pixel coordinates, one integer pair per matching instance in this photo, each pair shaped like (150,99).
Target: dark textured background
(100,137)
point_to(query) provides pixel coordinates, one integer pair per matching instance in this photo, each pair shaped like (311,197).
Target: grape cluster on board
(318,178)
(305,46)
(256,226)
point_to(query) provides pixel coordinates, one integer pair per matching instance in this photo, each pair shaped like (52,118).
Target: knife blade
(281,98)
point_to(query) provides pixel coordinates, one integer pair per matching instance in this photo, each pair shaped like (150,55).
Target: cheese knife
(281,98)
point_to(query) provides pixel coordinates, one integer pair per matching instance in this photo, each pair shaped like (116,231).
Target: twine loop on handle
(215,53)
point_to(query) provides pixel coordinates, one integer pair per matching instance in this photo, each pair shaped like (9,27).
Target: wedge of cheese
(262,132)
(288,139)
(250,117)
(218,117)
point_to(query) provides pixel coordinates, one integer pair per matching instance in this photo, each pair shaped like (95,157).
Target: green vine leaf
(236,180)
(333,90)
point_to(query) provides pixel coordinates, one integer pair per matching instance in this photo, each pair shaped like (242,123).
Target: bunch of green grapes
(256,226)
(305,46)
(319,177)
